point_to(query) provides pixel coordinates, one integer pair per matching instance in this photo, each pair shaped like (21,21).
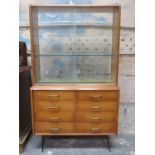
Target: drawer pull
(95,129)
(96,119)
(96,98)
(54,108)
(54,119)
(54,129)
(96,108)
(54,97)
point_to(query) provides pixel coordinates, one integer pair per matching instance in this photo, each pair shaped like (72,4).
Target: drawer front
(95,128)
(55,106)
(53,117)
(54,96)
(66,112)
(97,106)
(96,96)
(54,128)
(95,117)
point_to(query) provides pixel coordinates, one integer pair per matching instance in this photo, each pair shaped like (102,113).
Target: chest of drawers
(69,111)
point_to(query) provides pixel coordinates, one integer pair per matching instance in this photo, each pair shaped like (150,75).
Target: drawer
(55,106)
(108,95)
(95,128)
(54,96)
(53,128)
(97,106)
(48,116)
(95,117)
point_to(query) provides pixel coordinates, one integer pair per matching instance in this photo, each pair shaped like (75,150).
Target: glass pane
(73,45)
(56,40)
(83,39)
(52,16)
(95,39)
(94,16)
(80,69)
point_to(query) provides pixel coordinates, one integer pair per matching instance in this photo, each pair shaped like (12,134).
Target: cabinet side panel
(117,112)
(31,40)
(34,38)
(116,42)
(32,110)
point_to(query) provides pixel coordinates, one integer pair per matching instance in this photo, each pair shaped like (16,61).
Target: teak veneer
(77,109)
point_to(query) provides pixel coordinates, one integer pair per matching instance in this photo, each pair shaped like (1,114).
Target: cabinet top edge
(75,87)
(77,5)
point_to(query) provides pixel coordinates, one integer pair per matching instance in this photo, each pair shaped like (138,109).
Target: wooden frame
(116,39)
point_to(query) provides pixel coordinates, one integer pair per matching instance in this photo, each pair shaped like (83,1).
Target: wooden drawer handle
(54,129)
(96,98)
(54,107)
(54,119)
(54,97)
(96,119)
(95,129)
(96,108)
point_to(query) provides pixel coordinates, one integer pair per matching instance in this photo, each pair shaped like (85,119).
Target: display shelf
(102,79)
(76,54)
(100,24)
(74,24)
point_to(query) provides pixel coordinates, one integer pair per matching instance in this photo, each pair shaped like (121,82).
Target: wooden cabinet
(71,112)
(75,57)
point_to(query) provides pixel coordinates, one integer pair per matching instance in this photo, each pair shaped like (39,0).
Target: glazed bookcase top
(75,44)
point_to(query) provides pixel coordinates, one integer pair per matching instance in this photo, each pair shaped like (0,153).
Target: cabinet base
(106,137)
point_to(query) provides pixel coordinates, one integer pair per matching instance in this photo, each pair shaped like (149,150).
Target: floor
(120,145)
